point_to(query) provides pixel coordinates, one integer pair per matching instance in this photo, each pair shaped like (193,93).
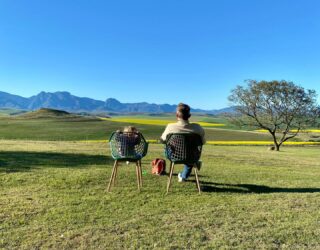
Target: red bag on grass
(158,166)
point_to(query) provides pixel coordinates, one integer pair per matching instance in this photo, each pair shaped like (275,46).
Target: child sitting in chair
(128,139)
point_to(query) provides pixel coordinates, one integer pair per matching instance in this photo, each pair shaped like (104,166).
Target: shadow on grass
(19,161)
(176,175)
(251,188)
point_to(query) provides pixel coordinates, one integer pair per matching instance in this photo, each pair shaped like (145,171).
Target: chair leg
(197,178)
(138,175)
(140,172)
(170,176)
(112,175)
(115,175)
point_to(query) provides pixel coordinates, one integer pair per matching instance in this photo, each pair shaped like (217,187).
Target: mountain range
(65,101)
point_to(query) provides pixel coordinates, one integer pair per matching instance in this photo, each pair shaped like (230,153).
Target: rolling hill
(46,113)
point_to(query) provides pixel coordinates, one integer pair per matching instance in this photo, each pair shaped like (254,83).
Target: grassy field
(160,122)
(55,125)
(53,195)
(67,129)
(10,111)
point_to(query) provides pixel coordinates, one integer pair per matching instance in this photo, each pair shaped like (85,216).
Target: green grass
(53,195)
(67,129)
(10,111)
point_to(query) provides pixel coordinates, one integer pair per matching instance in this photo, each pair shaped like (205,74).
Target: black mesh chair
(183,148)
(127,146)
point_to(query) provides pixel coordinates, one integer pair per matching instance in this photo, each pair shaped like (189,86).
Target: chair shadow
(251,188)
(176,175)
(21,161)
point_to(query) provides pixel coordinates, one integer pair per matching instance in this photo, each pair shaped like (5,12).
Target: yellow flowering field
(156,122)
(294,130)
(293,143)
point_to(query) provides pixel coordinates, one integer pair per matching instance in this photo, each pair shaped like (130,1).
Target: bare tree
(280,107)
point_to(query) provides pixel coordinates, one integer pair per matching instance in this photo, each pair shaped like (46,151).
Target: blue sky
(159,51)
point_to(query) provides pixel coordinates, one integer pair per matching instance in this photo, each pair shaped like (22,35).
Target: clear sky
(159,51)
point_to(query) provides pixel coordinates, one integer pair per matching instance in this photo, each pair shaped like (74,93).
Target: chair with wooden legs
(183,148)
(127,146)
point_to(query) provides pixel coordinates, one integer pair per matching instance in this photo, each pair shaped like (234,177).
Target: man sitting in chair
(183,126)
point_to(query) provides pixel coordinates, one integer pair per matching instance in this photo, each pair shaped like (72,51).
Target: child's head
(130,129)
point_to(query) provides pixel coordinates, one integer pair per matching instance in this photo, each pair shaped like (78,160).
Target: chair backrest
(183,147)
(127,145)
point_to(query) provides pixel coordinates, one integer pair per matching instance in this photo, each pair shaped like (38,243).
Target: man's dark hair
(183,111)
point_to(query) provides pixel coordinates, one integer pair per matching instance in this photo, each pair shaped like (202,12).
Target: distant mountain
(12,101)
(224,110)
(66,101)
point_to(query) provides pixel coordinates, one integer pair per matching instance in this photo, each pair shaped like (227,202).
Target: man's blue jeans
(187,169)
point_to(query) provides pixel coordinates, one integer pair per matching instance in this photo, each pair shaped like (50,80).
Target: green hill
(47,113)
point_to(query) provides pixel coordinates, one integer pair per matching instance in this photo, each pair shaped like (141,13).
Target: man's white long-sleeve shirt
(183,126)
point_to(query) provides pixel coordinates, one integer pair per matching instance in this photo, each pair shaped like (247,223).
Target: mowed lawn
(53,195)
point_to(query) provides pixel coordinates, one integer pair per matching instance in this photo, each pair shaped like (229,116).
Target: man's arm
(164,134)
(202,134)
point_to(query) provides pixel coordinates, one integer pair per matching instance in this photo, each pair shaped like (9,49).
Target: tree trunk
(276,144)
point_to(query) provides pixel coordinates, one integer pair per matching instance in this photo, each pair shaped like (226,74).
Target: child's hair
(130,129)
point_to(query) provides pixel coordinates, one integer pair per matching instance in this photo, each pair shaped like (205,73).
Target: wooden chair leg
(138,175)
(112,175)
(115,174)
(140,172)
(197,178)
(170,176)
